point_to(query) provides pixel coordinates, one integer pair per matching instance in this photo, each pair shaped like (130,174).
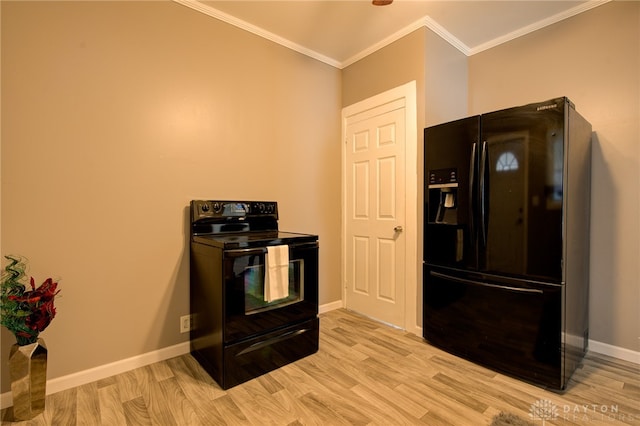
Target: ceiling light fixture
(381,2)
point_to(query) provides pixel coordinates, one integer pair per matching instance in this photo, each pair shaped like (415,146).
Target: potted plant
(26,312)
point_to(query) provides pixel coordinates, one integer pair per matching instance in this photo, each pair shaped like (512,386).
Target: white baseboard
(330,306)
(93,374)
(614,351)
(101,372)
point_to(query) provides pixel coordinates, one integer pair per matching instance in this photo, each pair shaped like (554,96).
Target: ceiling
(340,32)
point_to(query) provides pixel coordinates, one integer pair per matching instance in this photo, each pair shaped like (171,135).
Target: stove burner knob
(261,208)
(216,207)
(205,207)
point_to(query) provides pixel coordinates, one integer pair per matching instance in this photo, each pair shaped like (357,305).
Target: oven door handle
(263,250)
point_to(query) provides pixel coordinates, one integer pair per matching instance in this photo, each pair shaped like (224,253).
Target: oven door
(246,310)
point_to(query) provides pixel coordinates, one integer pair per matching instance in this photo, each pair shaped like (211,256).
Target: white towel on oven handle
(276,277)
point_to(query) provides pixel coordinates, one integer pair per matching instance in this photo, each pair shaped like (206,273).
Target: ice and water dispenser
(443,223)
(443,196)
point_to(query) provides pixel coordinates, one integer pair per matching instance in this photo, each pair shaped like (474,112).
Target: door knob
(398,228)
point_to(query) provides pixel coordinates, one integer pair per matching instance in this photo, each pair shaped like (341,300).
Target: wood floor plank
(88,405)
(111,408)
(428,397)
(399,400)
(227,411)
(155,400)
(136,413)
(298,381)
(365,373)
(142,382)
(332,411)
(161,371)
(454,390)
(341,384)
(270,384)
(341,336)
(65,403)
(387,413)
(258,405)
(439,418)
(195,383)
(294,406)
(290,380)
(338,348)
(335,379)
(128,386)
(181,407)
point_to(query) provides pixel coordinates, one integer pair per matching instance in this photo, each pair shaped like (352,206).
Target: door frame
(406,94)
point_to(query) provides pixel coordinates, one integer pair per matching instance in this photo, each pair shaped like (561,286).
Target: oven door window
(246,309)
(255,299)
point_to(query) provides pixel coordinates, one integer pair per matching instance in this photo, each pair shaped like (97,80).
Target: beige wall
(390,67)
(439,69)
(115,115)
(594,59)
(446,82)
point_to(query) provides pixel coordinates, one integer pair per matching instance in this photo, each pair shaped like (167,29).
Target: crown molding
(422,22)
(583,7)
(214,13)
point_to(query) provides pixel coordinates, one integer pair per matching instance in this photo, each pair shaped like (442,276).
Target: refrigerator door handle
(483,201)
(472,170)
(483,284)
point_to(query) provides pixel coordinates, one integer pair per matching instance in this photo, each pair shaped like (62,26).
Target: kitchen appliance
(506,239)
(254,290)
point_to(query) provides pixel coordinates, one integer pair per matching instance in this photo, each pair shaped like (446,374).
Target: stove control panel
(214,209)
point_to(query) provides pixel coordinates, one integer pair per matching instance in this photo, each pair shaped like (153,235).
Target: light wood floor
(365,373)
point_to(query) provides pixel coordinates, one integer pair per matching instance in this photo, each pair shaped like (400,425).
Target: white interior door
(375,212)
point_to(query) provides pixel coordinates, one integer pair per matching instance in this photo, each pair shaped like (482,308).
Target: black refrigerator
(506,240)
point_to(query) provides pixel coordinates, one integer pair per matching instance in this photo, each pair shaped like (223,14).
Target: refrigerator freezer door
(511,327)
(521,190)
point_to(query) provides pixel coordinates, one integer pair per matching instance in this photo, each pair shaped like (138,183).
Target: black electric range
(239,331)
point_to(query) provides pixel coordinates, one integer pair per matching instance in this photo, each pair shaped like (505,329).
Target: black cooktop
(253,239)
(240,224)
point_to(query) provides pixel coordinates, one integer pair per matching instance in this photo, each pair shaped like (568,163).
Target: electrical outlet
(186,323)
